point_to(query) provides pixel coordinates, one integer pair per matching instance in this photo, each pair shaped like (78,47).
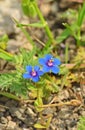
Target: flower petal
(57,61)
(29,68)
(26,76)
(36,68)
(55,69)
(46,69)
(42,61)
(35,79)
(40,72)
(48,57)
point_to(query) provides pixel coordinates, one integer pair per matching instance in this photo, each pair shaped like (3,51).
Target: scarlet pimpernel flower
(50,64)
(33,73)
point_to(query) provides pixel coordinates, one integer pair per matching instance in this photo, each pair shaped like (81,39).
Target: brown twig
(73,102)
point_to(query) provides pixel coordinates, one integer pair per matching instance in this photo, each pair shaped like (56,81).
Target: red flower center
(50,63)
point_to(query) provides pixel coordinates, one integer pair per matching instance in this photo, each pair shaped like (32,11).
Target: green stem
(47,30)
(38,94)
(27,35)
(25,32)
(78,38)
(66,53)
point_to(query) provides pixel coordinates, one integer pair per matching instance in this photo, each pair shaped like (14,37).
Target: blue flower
(33,73)
(50,64)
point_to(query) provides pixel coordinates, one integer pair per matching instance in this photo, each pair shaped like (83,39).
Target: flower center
(33,73)
(50,63)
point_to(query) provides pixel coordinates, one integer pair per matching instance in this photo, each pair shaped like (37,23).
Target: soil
(15,115)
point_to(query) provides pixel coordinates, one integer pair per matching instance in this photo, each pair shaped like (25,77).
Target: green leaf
(63,35)
(5,55)
(63,70)
(6,81)
(18,59)
(81,124)
(32,88)
(9,95)
(83,43)
(32,11)
(25,6)
(3,42)
(81,15)
(28,8)
(39,126)
(72,28)
(14,83)
(48,121)
(4,38)
(38,103)
(38,25)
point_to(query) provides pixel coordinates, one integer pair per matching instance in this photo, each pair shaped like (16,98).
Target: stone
(11,103)
(9,118)
(3,120)
(30,112)
(49,110)
(2,126)
(9,9)
(45,8)
(11,125)
(1,114)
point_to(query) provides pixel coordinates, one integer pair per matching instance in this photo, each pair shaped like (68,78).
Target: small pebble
(3,120)
(11,125)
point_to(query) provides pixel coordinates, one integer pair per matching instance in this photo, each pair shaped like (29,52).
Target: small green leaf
(81,124)
(83,43)
(3,42)
(38,103)
(5,55)
(32,11)
(28,8)
(18,59)
(72,28)
(3,45)
(38,25)
(63,70)
(25,6)
(9,95)
(63,35)
(32,88)
(48,121)
(81,15)
(39,126)
(4,38)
